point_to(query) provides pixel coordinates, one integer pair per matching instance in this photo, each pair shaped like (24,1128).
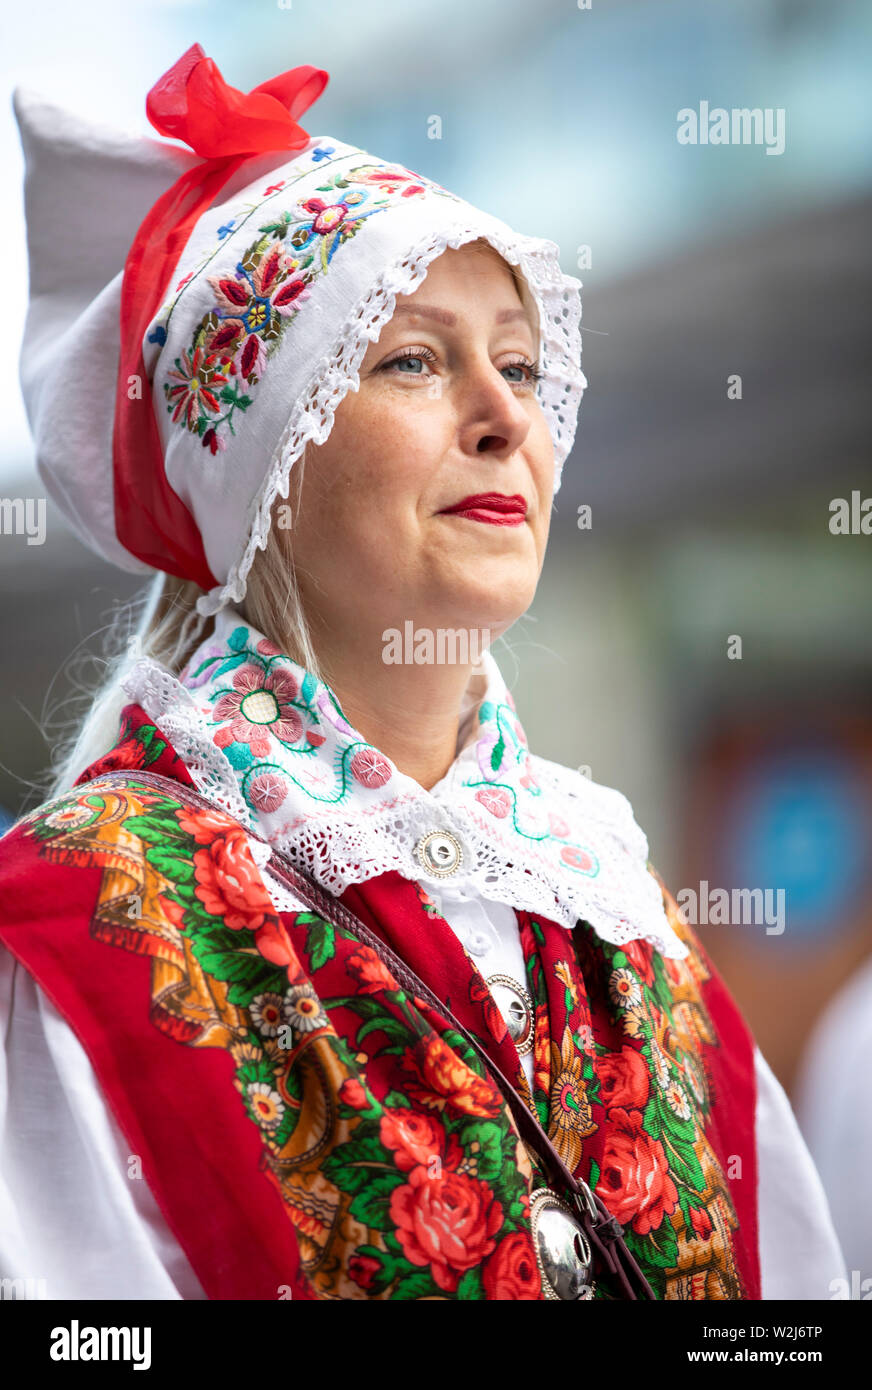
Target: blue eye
(530,372)
(418,355)
(516,367)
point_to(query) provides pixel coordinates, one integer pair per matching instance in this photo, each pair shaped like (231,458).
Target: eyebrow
(430,311)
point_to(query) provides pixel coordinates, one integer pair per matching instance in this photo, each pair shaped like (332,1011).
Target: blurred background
(726,334)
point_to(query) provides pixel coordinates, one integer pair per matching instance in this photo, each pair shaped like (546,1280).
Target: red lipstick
(495,508)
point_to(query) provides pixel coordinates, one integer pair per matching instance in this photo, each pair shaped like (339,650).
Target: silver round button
(440,853)
(563,1251)
(516,1006)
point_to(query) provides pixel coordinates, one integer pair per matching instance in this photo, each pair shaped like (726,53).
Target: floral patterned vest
(309,1129)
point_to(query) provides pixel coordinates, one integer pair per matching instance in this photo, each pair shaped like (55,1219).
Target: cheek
(365,482)
(389,450)
(542,468)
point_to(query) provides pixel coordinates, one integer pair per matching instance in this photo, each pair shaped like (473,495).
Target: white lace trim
(169,704)
(283,899)
(313,414)
(622,903)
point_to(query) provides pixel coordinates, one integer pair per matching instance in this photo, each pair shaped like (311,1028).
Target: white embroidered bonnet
(202,315)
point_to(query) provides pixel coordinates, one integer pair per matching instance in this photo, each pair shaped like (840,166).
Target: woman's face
(447,408)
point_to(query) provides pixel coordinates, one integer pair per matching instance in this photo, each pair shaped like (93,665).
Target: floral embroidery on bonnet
(256,303)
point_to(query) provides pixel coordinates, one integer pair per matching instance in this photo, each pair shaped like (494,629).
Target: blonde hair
(158,623)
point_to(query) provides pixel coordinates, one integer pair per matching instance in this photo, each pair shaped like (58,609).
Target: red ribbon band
(193,103)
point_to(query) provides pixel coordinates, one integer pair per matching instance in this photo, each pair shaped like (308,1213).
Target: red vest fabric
(308,1129)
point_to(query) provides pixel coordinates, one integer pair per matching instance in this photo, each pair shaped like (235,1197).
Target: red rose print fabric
(311,1129)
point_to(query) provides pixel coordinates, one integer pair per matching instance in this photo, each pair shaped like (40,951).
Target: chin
(492,606)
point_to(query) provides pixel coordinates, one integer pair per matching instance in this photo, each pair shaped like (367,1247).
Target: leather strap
(602,1229)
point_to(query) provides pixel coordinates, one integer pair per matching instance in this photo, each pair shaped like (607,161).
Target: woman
(254,1099)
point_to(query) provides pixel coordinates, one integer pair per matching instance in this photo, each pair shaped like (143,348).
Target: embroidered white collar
(266,741)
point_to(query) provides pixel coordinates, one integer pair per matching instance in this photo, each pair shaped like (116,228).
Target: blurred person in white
(833,1103)
(210,1090)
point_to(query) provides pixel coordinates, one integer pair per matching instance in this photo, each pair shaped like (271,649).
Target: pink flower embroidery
(258,706)
(576,858)
(267,791)
(496,800)
(370,768)
(327,215)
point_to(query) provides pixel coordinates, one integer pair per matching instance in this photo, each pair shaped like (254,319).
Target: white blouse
(73,1224)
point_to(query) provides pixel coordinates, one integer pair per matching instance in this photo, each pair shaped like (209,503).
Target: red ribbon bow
(193,103)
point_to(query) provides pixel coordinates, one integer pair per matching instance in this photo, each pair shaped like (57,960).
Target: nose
(493,418)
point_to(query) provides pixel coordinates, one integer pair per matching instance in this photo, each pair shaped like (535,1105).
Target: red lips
(493,507)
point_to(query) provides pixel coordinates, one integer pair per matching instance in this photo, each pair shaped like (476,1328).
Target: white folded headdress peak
(200,313)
